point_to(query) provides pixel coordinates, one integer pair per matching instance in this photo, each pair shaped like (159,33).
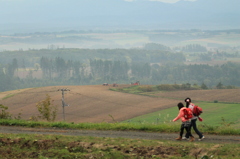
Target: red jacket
(181,115)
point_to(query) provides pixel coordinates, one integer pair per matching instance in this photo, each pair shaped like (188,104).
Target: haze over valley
(89,42)
(26,16)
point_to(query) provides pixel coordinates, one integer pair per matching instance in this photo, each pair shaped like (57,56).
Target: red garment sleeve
(180,114)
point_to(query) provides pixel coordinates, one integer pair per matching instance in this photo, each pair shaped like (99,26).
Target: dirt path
(114,134)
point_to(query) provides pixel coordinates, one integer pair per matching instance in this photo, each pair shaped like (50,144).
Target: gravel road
(114,134)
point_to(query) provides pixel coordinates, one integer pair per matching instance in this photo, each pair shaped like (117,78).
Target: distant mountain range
(52,15)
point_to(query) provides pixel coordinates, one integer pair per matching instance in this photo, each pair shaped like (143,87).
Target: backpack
(197,110)
(187,113)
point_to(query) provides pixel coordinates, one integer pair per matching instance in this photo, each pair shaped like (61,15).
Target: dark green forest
(153,65)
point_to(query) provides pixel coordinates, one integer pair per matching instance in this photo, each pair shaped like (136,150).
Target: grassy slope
(213,114)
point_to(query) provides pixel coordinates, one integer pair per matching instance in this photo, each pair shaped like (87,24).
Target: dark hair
(188,100)
(180,105)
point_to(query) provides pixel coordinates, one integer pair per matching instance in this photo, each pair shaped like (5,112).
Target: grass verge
(165,127)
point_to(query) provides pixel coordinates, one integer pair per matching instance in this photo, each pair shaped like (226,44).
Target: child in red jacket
(186,123)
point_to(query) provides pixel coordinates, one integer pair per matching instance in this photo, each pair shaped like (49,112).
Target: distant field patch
(8,96)
(223,39)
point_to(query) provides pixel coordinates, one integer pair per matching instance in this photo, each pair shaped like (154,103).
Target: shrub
(166,87)
(230,87)
(176,86)
(46,109)
(146,88)
(186,86)
(4,114)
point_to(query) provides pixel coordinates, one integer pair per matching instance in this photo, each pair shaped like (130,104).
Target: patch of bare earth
(94,103)
(220,95)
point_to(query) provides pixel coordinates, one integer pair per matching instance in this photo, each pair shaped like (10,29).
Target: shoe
(179,138)
(185,138)
(191,139)
(201,138)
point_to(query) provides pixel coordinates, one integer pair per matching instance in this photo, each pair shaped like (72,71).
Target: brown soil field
(96,103)
(220,95)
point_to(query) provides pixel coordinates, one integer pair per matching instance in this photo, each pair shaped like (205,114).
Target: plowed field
(96,103)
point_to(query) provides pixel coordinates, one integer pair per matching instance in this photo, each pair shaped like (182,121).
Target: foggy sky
(116,14)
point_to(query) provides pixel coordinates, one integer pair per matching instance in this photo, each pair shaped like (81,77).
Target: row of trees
(194,48)
(97,69)
(30,57)
(150,53)
(58,71)
(210,75)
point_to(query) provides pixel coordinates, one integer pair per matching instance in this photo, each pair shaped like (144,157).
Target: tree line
(30,57)
(59,71)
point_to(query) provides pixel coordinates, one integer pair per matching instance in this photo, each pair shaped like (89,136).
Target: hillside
(219,95)
(96,103)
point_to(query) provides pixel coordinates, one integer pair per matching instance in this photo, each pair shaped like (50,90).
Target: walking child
(190,105)
(185,115)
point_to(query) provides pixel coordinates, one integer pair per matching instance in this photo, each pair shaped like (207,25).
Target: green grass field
(215,114)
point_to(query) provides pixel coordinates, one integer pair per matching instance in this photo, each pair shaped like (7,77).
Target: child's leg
(188,129)
(181,133)
(181,130)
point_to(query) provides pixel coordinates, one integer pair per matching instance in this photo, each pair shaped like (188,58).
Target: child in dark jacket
(190,105)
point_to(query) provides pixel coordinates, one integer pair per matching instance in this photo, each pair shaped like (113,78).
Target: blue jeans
(194,125)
